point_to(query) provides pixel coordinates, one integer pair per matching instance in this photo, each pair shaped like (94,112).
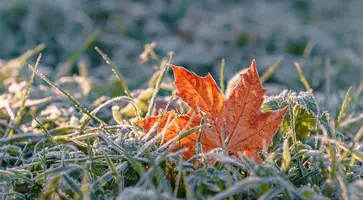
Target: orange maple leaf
(236,122)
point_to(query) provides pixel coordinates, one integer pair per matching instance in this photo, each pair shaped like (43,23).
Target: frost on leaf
(307,101)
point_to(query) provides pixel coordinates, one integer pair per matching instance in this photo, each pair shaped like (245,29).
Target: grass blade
(302,77)
(221,75)
(101,181)
(342,109)
(112,168)
(326,82)
(67,66)
(19,114)
(46,131)
(265,76)
(72,185)
(164,69)
(49,189)
(70,98)
(117,73)
(85,119)
(286,154)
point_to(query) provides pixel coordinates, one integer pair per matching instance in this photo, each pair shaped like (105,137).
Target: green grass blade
(26,55)
(159,175)
(326,82)
(117,73)
(238,187)
(286,154)
(356,97)
(186,133)
(302,77)
(122,151)
(70,98)
(265,76)
(58,170)
(89,41)
(85,119)
(160,79)
(72,185)
(15,175)
(67,65)
(308,49)
(342,109)
(101,181)
(178,176)
(112,168)
(19,114)
(46,131)
(221,75)
(49,189)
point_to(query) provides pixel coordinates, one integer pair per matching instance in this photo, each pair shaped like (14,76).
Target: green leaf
(307,101)
(305,110)
(305,123)
(275,102)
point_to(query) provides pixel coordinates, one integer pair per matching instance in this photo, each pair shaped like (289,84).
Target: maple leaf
(239,118)
(235,123)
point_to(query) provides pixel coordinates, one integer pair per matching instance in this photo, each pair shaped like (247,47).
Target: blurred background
(324,37)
